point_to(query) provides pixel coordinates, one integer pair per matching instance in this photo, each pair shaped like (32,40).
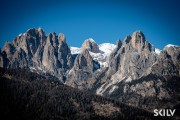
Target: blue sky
(102,20)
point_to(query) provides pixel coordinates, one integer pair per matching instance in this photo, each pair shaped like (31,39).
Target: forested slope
(26,95)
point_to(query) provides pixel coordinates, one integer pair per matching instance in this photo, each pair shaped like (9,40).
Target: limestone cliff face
(168,62)
(114,59)
(91,45)
(133,58)
(81,75)
(49,58)
(131,73)
(134,68)
(36,50)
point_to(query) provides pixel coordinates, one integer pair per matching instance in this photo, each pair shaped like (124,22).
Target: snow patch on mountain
(171,45)
(157,51)
(90,39)
(102,56)
(75,50)
(20,34)
(107,48)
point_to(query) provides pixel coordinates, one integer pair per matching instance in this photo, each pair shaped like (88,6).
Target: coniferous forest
(29,96)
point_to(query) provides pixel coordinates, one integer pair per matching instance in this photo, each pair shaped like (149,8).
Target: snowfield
(157,51)
(102,56)
(170,45)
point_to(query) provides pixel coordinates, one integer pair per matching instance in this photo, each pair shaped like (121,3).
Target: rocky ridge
(131,70)
(36,50)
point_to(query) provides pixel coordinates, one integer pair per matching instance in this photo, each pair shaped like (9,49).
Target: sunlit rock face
(98,67)
(91,45)
(131,71)
(81,75)
(132,58)
(135,71)
(43,53)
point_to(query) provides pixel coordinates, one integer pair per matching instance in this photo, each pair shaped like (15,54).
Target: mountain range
(133,71)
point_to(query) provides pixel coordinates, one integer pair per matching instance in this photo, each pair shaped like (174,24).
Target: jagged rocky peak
(30,41)
(8,48)
(138,38)
(172,50)
(35,50)
(40,30)
(133,59)
(52,39)
(35,32)
(42,36)
(56,53)
(127,39)
(91,45)
(32,32)
(84,60)
(114,58)
(168,62)
(171,53)
(81,75)
(136,59)
(118,43)
(139,42)
(61,38)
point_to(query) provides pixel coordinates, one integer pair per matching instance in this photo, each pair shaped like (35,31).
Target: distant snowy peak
(20,34)
(90,40)
(107,47)
(75,50)
(157,51)
(170,45)
(105,51)
(101,56)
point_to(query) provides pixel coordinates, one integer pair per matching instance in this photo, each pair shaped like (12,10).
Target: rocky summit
(132,71)
(35,50)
